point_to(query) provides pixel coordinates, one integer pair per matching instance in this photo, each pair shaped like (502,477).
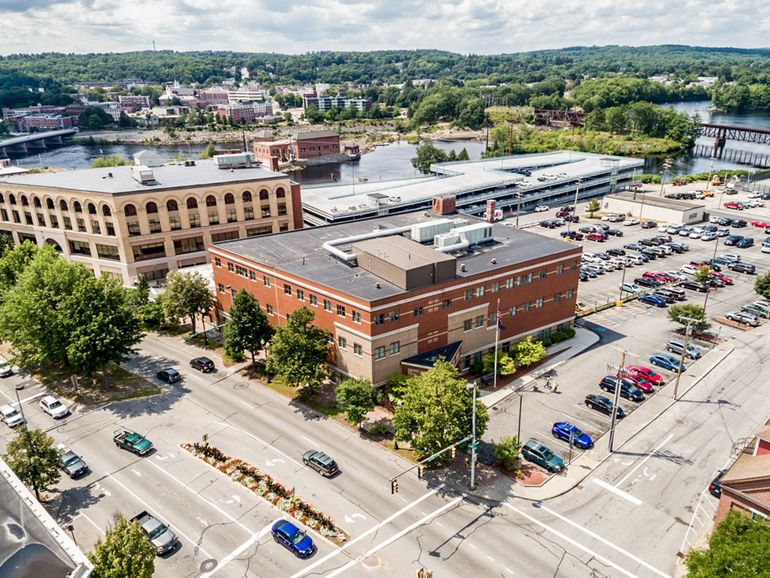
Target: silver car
(743,318)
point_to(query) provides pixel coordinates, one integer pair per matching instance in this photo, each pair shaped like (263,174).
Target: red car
(724,278)
(654,275)
(733,205)
(595,237)
(640,381)
(668,277)
(646,373)
(760,224)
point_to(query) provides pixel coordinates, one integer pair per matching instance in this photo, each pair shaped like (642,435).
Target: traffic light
(420,471)
(393,486)
(453,452)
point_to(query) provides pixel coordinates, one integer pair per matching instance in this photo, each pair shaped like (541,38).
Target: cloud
(294,26)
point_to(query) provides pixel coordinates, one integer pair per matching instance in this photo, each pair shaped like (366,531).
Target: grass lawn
(91,391)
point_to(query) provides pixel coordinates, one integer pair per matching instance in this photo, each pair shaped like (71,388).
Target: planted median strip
(267,488)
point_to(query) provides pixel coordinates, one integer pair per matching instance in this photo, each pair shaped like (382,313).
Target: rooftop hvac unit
(476,233)
(423,232)
(235,160)
(143,175)
(447,240)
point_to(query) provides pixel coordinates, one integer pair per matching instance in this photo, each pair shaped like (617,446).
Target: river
(393,161)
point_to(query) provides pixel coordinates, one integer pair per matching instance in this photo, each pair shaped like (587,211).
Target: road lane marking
(371,530)
(176,530)
(89,520)
(260,440)
(232,555)
(625,495)
(566,538)
(309,440)
(398,536)
(209,502)
(640,464)
(246,403)
(604,541)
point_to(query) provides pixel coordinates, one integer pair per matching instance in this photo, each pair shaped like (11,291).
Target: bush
(507,452)
(546,341)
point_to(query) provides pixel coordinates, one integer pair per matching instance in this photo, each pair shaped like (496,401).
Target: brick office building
(396,292)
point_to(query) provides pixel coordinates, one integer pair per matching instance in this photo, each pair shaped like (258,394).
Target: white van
(5,368)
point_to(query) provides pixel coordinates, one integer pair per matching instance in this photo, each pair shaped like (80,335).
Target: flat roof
(169,176)
(402,252)
(652,199)
(300,252)
(748,467)
(462,177)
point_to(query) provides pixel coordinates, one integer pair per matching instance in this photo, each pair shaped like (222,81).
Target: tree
(703,274)
(593,206)
(356,398)
(507,452)
(427,154)
(527,351)
(124,551)
(32,456)
(740,546)
(13,262)
(463,155)
(436,410)
(108,161)
(209,151)
(247,328)
(678,312)
(505,364)
(762,285)
(297,353)
(187,295)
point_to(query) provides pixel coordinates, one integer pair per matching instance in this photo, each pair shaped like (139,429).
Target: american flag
(500,325)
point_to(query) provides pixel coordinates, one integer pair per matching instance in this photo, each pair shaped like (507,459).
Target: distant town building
(133,103)
(325,103)
(308,147)
(41,117)
(213,97)
(245,112)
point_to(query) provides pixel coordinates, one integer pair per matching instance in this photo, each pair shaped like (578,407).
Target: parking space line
(625,495)
(94,524)
(232,555)
(641,463)
(566,538)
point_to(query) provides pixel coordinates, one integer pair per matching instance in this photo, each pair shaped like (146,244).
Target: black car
(732,239)
(649,224)
(615,232)
(603,256)
(320,462)
(716,282)
(745,243)
(202,364)
(738,223)
(650,253)
(583,276)
(616,252)
(645,282)
(634,246)
(715,487)
(695,285)
(602,404)
(574,235)
(169,375)
(725,221)
(571,218)
(645,257)
(676,247)
(713,264)
(650,242)
(742,267)
(627,388)
(549,224)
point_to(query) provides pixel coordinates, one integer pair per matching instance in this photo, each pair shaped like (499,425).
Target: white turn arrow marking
(201,520)
(269,463)
(352,518)
(138,473)
(232,499)
(99,488)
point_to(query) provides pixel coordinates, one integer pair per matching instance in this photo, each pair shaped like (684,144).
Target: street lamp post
(574,205)
(622,281)
(666,166)
(714,256)
(473,436)
(21,409)
(690,321)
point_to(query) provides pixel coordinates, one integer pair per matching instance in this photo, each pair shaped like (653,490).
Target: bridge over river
(34,142)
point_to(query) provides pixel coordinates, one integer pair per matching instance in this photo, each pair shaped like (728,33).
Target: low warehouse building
(649,206)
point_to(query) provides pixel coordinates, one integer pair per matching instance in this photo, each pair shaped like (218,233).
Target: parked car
(741,267)
(648,224)
(616,252)
(647,373)
(743,318)
(677,346)
(54,407)
(11,416)
(760,224)
(738,223)
(541,208)
(733,205)
(631,288)
(6,369)
(293,539)
(627,387)
(732,240)
(603,404)
(644,282)
(630,222)
(724,278)
(754,309)
(653,300)
(542,456)
(615,232)
(640,382)
(634,246)
(598,237)
(665,294)
(666,361)
(695,286)
(566,431)
(688,269)
(169,375)
(574,235)
(72,464)
(708,236)
(715,487)
(745,243)
(202,364)
(320,462)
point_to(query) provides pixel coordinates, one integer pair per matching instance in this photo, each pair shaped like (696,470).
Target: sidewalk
(625,431)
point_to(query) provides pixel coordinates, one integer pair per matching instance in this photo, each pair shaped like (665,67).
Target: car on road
(715,487)
(11,416)
(159,534)
(541,208)
(72,464)
(51,405)
(542,456)
(564,430)
(131,441)
(677,346)
(627,387)
(630,222)
(169,375)
(666,361)
(646,372)
(745,243)
(741,267)
(743,318)
(695,286)
(603,404)
(654,300)
(320,462)
(293,539)
(202,364)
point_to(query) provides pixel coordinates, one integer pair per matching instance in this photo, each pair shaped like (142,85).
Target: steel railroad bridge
(721,133)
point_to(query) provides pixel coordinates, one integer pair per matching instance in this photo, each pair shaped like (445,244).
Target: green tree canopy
(356,398)
(32,456)
(297,353)
(507,451)
(702,274)
(593,206)
(436,410)
(108,161)
(680,311)
(247,327)
(187,295)
(740,546)
(762,285)
(428,154)
(527,351)
(13,262)
(124,551)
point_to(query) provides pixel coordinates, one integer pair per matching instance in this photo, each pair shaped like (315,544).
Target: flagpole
(497,339)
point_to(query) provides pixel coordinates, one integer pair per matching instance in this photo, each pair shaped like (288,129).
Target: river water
(393,161)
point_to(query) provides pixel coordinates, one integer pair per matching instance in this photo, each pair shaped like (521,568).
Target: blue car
(292,538)
(562,430)
(653,300)
(666,361)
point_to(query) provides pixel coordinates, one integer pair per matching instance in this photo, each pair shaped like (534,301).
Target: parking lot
(635,330)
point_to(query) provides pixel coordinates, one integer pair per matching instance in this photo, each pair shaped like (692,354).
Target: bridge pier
(719,146)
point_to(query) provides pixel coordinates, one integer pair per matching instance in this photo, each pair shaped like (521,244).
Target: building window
(154,225)
(417,312)
(107,252)
(512,311)
(133,227)
(248,213)
(226,236)
(468,294)
(479,292)
(467,324)
(257,231)
(341,310)
(191,245)
(358,350)
(300,295)
(217,261)
(252,276)
(221,288)
(543,274)
(265,212)
(560,269)
(356,316)
(570,293)
(379,319)
(80,248)
(195,220)
(4,214)
(447,303)
(395,347)
(394,315)
(241,271)
(557,298)
(342,342)
(281,209)
(314,301)
(213,217)
(479,321)
(495,287)
(269,309)
(573,266)
(230,267)
(232,216)
(327,305)
(148,251)
(525,308)
(81,223)
(379,352)
(286,289)
(266,281)
(539,303)
(94,225)
(174,222)
(525,279)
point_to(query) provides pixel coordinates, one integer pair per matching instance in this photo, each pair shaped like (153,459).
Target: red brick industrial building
(304,146)
(397,292)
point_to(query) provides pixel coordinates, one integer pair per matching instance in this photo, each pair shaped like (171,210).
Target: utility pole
(714,256)
(473,435)
(690,321)
(621,369)
(574,206)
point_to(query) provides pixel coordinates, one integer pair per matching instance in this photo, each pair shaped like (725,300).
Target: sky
(296,26)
